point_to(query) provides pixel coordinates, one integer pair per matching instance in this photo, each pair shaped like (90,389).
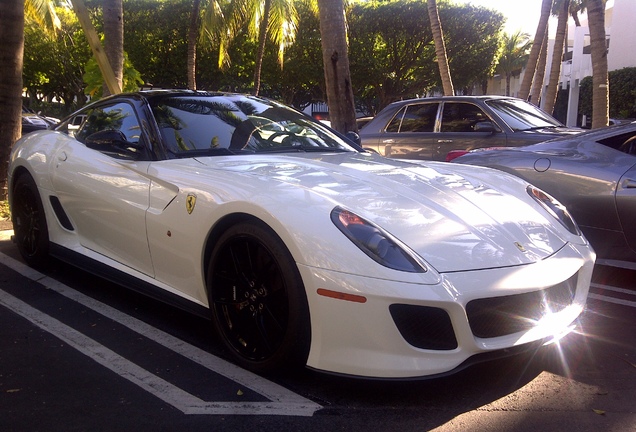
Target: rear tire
(29,222)
(258,299)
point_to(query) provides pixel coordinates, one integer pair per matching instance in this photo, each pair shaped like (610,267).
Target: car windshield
(194,125)
(521,115)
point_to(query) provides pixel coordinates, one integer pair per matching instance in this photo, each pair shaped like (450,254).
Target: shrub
(622,95)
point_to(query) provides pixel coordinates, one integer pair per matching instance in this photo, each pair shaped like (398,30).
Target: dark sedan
(592,174)
(430,128)
(32,121)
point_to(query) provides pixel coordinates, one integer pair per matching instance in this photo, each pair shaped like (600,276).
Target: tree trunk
(440,48)
(262,38)
(335,59)
(531,66)
(11,55)
(114,39)
(557,57)
(537,85)
(600,79)
(193,32)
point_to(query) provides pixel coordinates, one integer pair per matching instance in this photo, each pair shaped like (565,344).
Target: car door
(411,132)
(106,197)
(457,131)
(626,204)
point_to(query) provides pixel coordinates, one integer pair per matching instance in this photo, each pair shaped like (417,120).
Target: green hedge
(622,97)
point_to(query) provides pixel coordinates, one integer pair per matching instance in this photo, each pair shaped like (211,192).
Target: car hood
(452,215)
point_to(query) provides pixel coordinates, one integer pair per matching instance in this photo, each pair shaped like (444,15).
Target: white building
(620,30)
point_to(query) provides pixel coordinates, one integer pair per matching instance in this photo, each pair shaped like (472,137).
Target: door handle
(629,183)
(445,141)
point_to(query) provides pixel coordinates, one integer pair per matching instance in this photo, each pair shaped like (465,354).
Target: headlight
(555,208)
(376,243)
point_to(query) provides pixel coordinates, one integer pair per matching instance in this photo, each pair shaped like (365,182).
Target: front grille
(500,316)
(424,327)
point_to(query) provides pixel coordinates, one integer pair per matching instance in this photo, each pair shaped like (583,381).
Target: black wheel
(258,300)
(29,223)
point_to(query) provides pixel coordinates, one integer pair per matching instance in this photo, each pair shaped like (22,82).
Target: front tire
(29,222)
(258,300)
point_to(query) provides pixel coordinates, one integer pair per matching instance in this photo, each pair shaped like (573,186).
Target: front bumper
(407,330)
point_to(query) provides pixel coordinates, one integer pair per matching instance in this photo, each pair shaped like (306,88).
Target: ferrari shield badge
(191,200)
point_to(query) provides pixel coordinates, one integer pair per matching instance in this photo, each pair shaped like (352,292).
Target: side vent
(60,213)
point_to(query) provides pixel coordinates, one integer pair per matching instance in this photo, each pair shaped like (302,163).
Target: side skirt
(125,280)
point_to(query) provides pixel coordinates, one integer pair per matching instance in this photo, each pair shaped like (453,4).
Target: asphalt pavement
(78,353)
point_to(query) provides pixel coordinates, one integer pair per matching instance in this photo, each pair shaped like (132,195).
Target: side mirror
(115,144)
(485,126)
(353,136)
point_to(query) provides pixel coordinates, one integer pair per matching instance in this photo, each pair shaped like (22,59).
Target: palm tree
(110,79)
(537,82)
(514,56)
(600,78)
(533,58)
(577,7)
(11,55)
(276,19)
(335,58)
(440,48)
(215,29)
(193,31)
(562,9)
(114,39)
(42,13)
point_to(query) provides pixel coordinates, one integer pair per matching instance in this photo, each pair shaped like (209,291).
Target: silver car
(593,174)
(430,128)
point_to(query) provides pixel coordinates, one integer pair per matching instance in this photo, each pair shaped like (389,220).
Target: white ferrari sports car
(302,248)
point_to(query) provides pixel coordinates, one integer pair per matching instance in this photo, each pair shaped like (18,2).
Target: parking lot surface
(79,353)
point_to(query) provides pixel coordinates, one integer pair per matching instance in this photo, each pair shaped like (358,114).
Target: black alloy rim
(27,222)
(250,298)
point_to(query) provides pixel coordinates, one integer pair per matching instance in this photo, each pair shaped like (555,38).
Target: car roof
(455,99)
(161,93)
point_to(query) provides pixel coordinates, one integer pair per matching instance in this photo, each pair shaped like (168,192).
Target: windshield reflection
(236,124)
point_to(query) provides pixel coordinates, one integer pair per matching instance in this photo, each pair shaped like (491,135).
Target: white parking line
(614,300)
(282,401)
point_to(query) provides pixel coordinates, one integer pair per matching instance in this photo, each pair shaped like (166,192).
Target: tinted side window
(420,118)
(119,117)
(394,125)
(77,120)
(461,117)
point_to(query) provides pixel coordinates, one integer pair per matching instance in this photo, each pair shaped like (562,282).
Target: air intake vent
(60,213)
(424,327)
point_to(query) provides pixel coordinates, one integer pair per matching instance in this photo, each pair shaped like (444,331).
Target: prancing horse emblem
(191,200)
(520,247)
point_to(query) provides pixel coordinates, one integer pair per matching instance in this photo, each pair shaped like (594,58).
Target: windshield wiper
(280,149)
(204,152)
(325,150)
(296,149)
(540,127)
